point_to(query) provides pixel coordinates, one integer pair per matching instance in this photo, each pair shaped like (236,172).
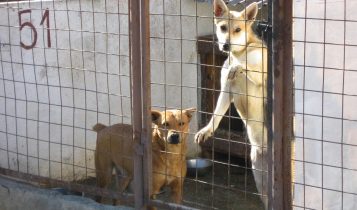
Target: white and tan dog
(243,82)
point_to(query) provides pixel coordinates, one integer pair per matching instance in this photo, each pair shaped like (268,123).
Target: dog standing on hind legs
(243,82)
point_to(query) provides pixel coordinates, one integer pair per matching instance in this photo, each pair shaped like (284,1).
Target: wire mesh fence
(186,66)
(72,70)
(325,96)
(65,66)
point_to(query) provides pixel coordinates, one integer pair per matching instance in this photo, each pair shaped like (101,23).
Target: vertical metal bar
(269,107)
(146,97)
(282,104)
(72,80)
(135,61)
(343,99)
(119,66)
(322,102)
(140,66)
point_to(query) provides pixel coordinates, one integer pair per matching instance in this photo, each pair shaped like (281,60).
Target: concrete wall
(50,97)
(325,83)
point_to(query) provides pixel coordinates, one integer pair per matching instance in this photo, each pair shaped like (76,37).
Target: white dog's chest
(253,57)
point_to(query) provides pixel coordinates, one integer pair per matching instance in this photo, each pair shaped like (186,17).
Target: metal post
(282,104)
(140,67)
(146,97)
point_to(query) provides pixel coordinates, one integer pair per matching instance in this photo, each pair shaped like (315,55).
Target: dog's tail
(98,127)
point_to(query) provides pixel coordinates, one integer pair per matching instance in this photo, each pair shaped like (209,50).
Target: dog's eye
(237,30)
(166,124)
(181,123)
(223,28)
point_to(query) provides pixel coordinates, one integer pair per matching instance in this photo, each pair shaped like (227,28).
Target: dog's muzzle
(174,138)
(226,47)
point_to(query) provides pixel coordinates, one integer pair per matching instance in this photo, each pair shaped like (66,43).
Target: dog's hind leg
(103,169)
(259,167)
(257,134)
(123,179)
(104,176)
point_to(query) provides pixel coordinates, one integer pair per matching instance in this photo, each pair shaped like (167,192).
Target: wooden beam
(282,104)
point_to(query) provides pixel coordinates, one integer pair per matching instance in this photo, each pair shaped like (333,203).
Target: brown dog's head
(172,125)
(233,29)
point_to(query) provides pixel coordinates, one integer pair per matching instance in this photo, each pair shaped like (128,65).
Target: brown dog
(169,136)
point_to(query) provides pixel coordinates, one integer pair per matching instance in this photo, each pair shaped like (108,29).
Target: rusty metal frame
(139,43)
(281,105)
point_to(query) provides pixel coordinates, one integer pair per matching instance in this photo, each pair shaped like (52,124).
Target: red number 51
(45,16)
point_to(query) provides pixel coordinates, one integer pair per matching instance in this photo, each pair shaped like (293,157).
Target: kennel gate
(280,108)
(133,35)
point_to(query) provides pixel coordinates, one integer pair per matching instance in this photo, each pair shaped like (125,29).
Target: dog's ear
(156,117)
(251,11)
(189,112)
(220,8)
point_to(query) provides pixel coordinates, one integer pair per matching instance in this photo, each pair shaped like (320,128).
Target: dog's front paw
(234,70)
(203,135)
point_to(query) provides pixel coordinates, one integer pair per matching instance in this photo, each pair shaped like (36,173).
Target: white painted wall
(326,97)
(174,68)
(51,97)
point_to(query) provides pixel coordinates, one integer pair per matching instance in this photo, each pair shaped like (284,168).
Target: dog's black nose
(174,138)
(226,47)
